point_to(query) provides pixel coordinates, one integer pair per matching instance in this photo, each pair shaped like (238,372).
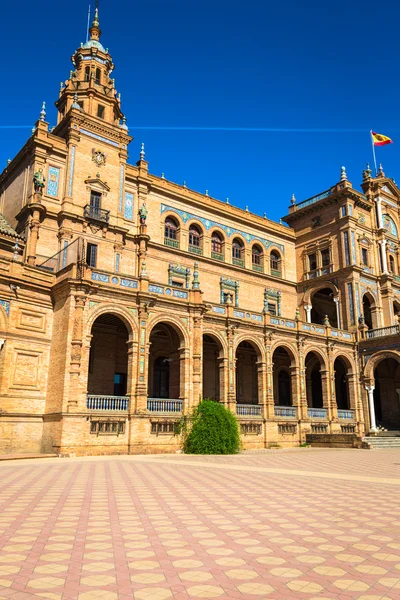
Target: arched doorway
(314,381)
(246,374)
(282,377)
(108,357)
(387,394)
(212,350)
(367,311)
(341,385)
(165,364)
(323,305)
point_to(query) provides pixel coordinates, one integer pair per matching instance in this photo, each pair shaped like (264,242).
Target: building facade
(125,298)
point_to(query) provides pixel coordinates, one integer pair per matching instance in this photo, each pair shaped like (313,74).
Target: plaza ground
(303,523)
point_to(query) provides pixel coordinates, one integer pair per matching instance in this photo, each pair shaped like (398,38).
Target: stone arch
(369,308)
(108,364)
(289,349)
(374,360)
(258,345)
(248,356)
(119,311)
(213,366)
(283,374)
(308,294)
(174,322)
(219,337)
(344,370)
(316,378)
(167,345)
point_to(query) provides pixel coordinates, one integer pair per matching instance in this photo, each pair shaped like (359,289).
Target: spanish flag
(380,140)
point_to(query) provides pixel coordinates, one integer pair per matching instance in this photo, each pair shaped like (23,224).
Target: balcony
(195,249)
(167,405)
(288,412)
(316,413)
(324,270)
(257,268)
(346,414)
(382,332)
(96,214)
(110,403)
(217,256)
(171,243)
(238,262)
(276,273)
(248,410)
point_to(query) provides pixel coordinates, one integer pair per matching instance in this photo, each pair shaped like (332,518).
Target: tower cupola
(90,84)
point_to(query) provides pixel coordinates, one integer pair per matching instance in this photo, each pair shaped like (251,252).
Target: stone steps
(382,442)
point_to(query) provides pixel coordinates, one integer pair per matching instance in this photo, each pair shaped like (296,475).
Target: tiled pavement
(301,523)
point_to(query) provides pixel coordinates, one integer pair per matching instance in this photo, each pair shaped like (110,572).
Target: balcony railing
(107,402)
(289,412)
(345,414)
(96,214)
(238,262)
(248,410)
(276,273)
(217,256)
(382,332)
(316,413)
(195,249)
(257,268)
(171,243)
(166,405)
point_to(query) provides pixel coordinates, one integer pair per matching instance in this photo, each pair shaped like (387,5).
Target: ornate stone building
(124,298)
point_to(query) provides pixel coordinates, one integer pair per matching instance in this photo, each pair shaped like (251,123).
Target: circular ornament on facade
(168,292)
(247,315)
(312,328)
(114,280)
(207,223)
(282,322)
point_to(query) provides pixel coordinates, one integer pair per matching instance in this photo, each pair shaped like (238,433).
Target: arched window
(98,76)
(87,73)
(194,239)
(257,258)
(392,264)
(237,252)
(171,233)
(275,263)
(217,246)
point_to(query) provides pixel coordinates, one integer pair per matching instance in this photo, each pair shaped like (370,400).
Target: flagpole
(373,152)
(88,23)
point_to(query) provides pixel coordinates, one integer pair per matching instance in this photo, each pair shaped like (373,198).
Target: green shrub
(212,429)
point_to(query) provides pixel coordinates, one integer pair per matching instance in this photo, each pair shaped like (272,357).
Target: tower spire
(95,31)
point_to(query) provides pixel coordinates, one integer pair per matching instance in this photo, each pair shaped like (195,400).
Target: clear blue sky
(224,63)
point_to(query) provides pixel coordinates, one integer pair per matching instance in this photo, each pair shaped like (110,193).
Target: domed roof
(94,44)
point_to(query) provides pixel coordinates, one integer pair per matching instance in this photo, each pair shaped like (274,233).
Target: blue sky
(224,64)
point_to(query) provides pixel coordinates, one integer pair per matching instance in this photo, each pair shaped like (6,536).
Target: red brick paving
(302,524)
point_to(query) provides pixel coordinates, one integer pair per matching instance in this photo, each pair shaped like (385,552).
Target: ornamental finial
(124,125)
(293,200)
(343,174)
(380,169)
(142,152)
(75,103)
(43,112)
(366,174)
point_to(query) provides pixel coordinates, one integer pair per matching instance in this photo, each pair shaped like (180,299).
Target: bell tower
(90,87)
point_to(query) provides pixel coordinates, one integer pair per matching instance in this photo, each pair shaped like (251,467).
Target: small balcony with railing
(381,332)
(164,405)
(249,410)
(107,403)
(285,412)
(95,213)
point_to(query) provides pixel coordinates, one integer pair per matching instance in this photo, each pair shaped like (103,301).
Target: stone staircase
(383,440)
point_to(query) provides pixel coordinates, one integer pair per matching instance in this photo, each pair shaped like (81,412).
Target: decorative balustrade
(171,243)
(195,249)
(217,256)
(248,410)
(317,413)
(289,412)
(346,414)
(238,262)
(96,214)
(111,403)
(276,273)
(166,405)
(257,268)
(382,332)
